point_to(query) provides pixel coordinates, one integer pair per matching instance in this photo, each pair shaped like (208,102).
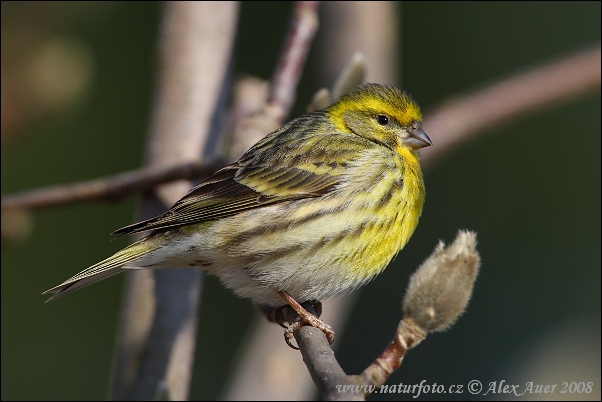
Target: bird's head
(383,114)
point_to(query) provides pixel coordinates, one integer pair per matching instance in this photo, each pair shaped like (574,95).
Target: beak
(417,139)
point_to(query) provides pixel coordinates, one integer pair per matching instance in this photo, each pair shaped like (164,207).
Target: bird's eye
(382,119)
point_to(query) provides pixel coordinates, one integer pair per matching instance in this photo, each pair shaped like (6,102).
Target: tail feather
(109,267)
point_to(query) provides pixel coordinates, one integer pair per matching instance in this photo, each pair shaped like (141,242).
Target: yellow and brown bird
(318,207)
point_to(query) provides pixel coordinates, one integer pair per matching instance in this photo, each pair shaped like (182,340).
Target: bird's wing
(293,162)
(237,188)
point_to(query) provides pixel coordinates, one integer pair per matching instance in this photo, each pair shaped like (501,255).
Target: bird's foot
(304,318)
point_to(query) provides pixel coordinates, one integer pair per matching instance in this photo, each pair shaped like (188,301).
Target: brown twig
(302,29)
(407,335)
(249,382)
(449,125)
(437,295)
(157,335)
(462,117)
(283,84)
(323,366)
(111,188)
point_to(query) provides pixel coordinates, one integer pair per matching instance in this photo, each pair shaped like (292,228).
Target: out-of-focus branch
(370,27)
(252,378)
(283,84)
(157,335)
(111,188)
(283,90)
(352,30)
(437,294)
(464,116)
(450,124)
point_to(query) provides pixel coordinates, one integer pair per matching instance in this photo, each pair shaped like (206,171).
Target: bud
(440,289)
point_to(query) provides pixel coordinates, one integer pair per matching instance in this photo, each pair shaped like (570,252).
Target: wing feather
(242,189)
(289,164)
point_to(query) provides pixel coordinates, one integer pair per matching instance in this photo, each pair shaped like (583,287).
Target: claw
(305,318)
(289,333)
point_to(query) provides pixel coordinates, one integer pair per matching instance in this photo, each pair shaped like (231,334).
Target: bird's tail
(109,267)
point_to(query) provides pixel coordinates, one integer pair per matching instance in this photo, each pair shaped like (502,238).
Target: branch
(450,124)
(283,84)
(355,22)
(111,188)
(462,117)
(302,29)
(437,294)
(254,120)
(157,336)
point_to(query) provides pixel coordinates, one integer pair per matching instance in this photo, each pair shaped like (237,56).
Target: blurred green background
(531,189)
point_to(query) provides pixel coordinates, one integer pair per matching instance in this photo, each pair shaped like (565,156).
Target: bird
(316,208)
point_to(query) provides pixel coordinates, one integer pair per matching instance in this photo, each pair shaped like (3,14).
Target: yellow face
(379,113)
